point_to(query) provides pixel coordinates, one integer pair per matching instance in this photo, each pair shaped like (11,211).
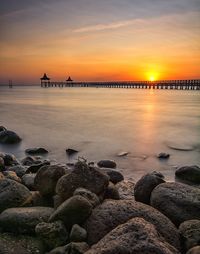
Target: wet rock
(112,213)
(126,189)
(57,201)
(82,176)
(36,151)
(18,169)
(2,128)
(71,248)
(163,156)
(107,164)
(144,187)
(2,164)
(71,151)
(2,176)
(12,175)
(179,202)
(52,234)
(190,233)
(111,192)
(122,154)
(35,167)
(28,160)
(74,210)
(189,173)
(9,159)
(38,200)
(114,175)
(28,181)
(90,196)
(136,236)
(194,250)
(20,244)
(46,179)
(12,194)
(78,234)
(24,219)
(9,137)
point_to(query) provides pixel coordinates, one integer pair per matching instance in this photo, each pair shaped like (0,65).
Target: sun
(152,78)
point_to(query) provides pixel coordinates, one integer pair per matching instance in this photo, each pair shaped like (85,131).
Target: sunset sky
(99,39)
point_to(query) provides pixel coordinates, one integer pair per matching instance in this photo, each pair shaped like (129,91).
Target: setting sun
(152,78)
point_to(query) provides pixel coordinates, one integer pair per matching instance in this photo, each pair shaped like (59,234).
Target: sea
(129,126)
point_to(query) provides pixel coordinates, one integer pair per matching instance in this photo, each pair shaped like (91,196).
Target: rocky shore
(90,208)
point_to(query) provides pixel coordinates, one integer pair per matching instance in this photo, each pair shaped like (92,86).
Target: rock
(46,179)
(144,187)
(28,181)
(179,202)
(12,175)
(78,234)
(20,244)
(82,176)
(9,159)
(71,248)
(122,154)
(52,234)
(90,196)
(2,176)
(57,201)
(28,160)
(36,151)
(107,164)
(35,167)
(194,250)
(111,192)
(163,156)
(38,200)
(136,236)
(112,213)
(18,169)
(9,137)
(74,210)
(2,164)
(189,173)
(24,219)
(71,151)
(12,194)
(2,128)
(114,175)
(190,233)
(126,189)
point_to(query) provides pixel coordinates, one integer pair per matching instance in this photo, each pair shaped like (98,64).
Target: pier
(189,84)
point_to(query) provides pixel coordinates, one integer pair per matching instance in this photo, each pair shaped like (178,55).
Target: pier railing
(193,84)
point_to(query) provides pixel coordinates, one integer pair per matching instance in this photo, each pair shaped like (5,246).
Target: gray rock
(20,244)
(71,248)
(126,189)
(12,194)
(137,236)
(82,176)
(114,175)
(112,213)
(163,156)
(144,187)
(71,151)
(179,202)
(74,210)
(2,176)
(2,128)
(194,250)
(107,164)
(28,181)
(190,233)
(35,167)
(111,192)
(12,175)
(28,160)
(9,159)
(9,137)
(90,196)
(189,173)
(52,234)
(18,169)
(57,201)
(2,164)
(46,179)
(36,151)
(78,234)
(38,200)
(23,220)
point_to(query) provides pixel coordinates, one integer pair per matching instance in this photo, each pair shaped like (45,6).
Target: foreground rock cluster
(57,209)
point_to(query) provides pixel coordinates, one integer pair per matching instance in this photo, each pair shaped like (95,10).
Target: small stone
(107,164)
(10,160)
(78,234)
(35,167)
(111,192)
(71,151)
(126,189)
(189,173)
(9,137)
(2,128)
(36,151)
(122,154)
(90,196)
(28,160)
(71,248)
(18,169)
(114,175)
(163,156)
(2,164)
(12,175)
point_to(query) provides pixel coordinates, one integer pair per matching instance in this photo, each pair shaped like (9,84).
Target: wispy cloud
(108,26)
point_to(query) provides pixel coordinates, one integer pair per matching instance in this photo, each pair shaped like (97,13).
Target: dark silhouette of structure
(45,81)
(10,84)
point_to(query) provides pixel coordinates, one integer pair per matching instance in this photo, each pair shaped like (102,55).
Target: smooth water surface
(102,122)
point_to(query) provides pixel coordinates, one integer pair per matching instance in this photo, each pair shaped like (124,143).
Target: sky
(97,40)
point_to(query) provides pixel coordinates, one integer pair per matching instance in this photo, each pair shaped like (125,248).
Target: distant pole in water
(10,83)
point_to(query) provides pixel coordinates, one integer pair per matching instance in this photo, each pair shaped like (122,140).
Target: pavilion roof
(69,79)
(45,77)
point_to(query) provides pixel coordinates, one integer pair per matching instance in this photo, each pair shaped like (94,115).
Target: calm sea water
(101,123)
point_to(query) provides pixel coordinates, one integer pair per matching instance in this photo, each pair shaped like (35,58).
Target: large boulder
(137,236)
(12,194)
(9,137)
(112,213)
(36,166)
(78,234)
(47,177)
(190,233)
(28,181)
(82,176)
(52,234)
(114,175)
(23,220)
(20,244)
(144,187)
(189,173)
(74,210)
(194,250)
(36,151)
(12,175)
(179,202)
(90,196)
(107,164)
(71,248)
(126,189)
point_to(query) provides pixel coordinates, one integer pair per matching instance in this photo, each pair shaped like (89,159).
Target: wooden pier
(192,84)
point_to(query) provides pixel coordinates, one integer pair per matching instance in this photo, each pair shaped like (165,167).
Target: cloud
(108,26)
